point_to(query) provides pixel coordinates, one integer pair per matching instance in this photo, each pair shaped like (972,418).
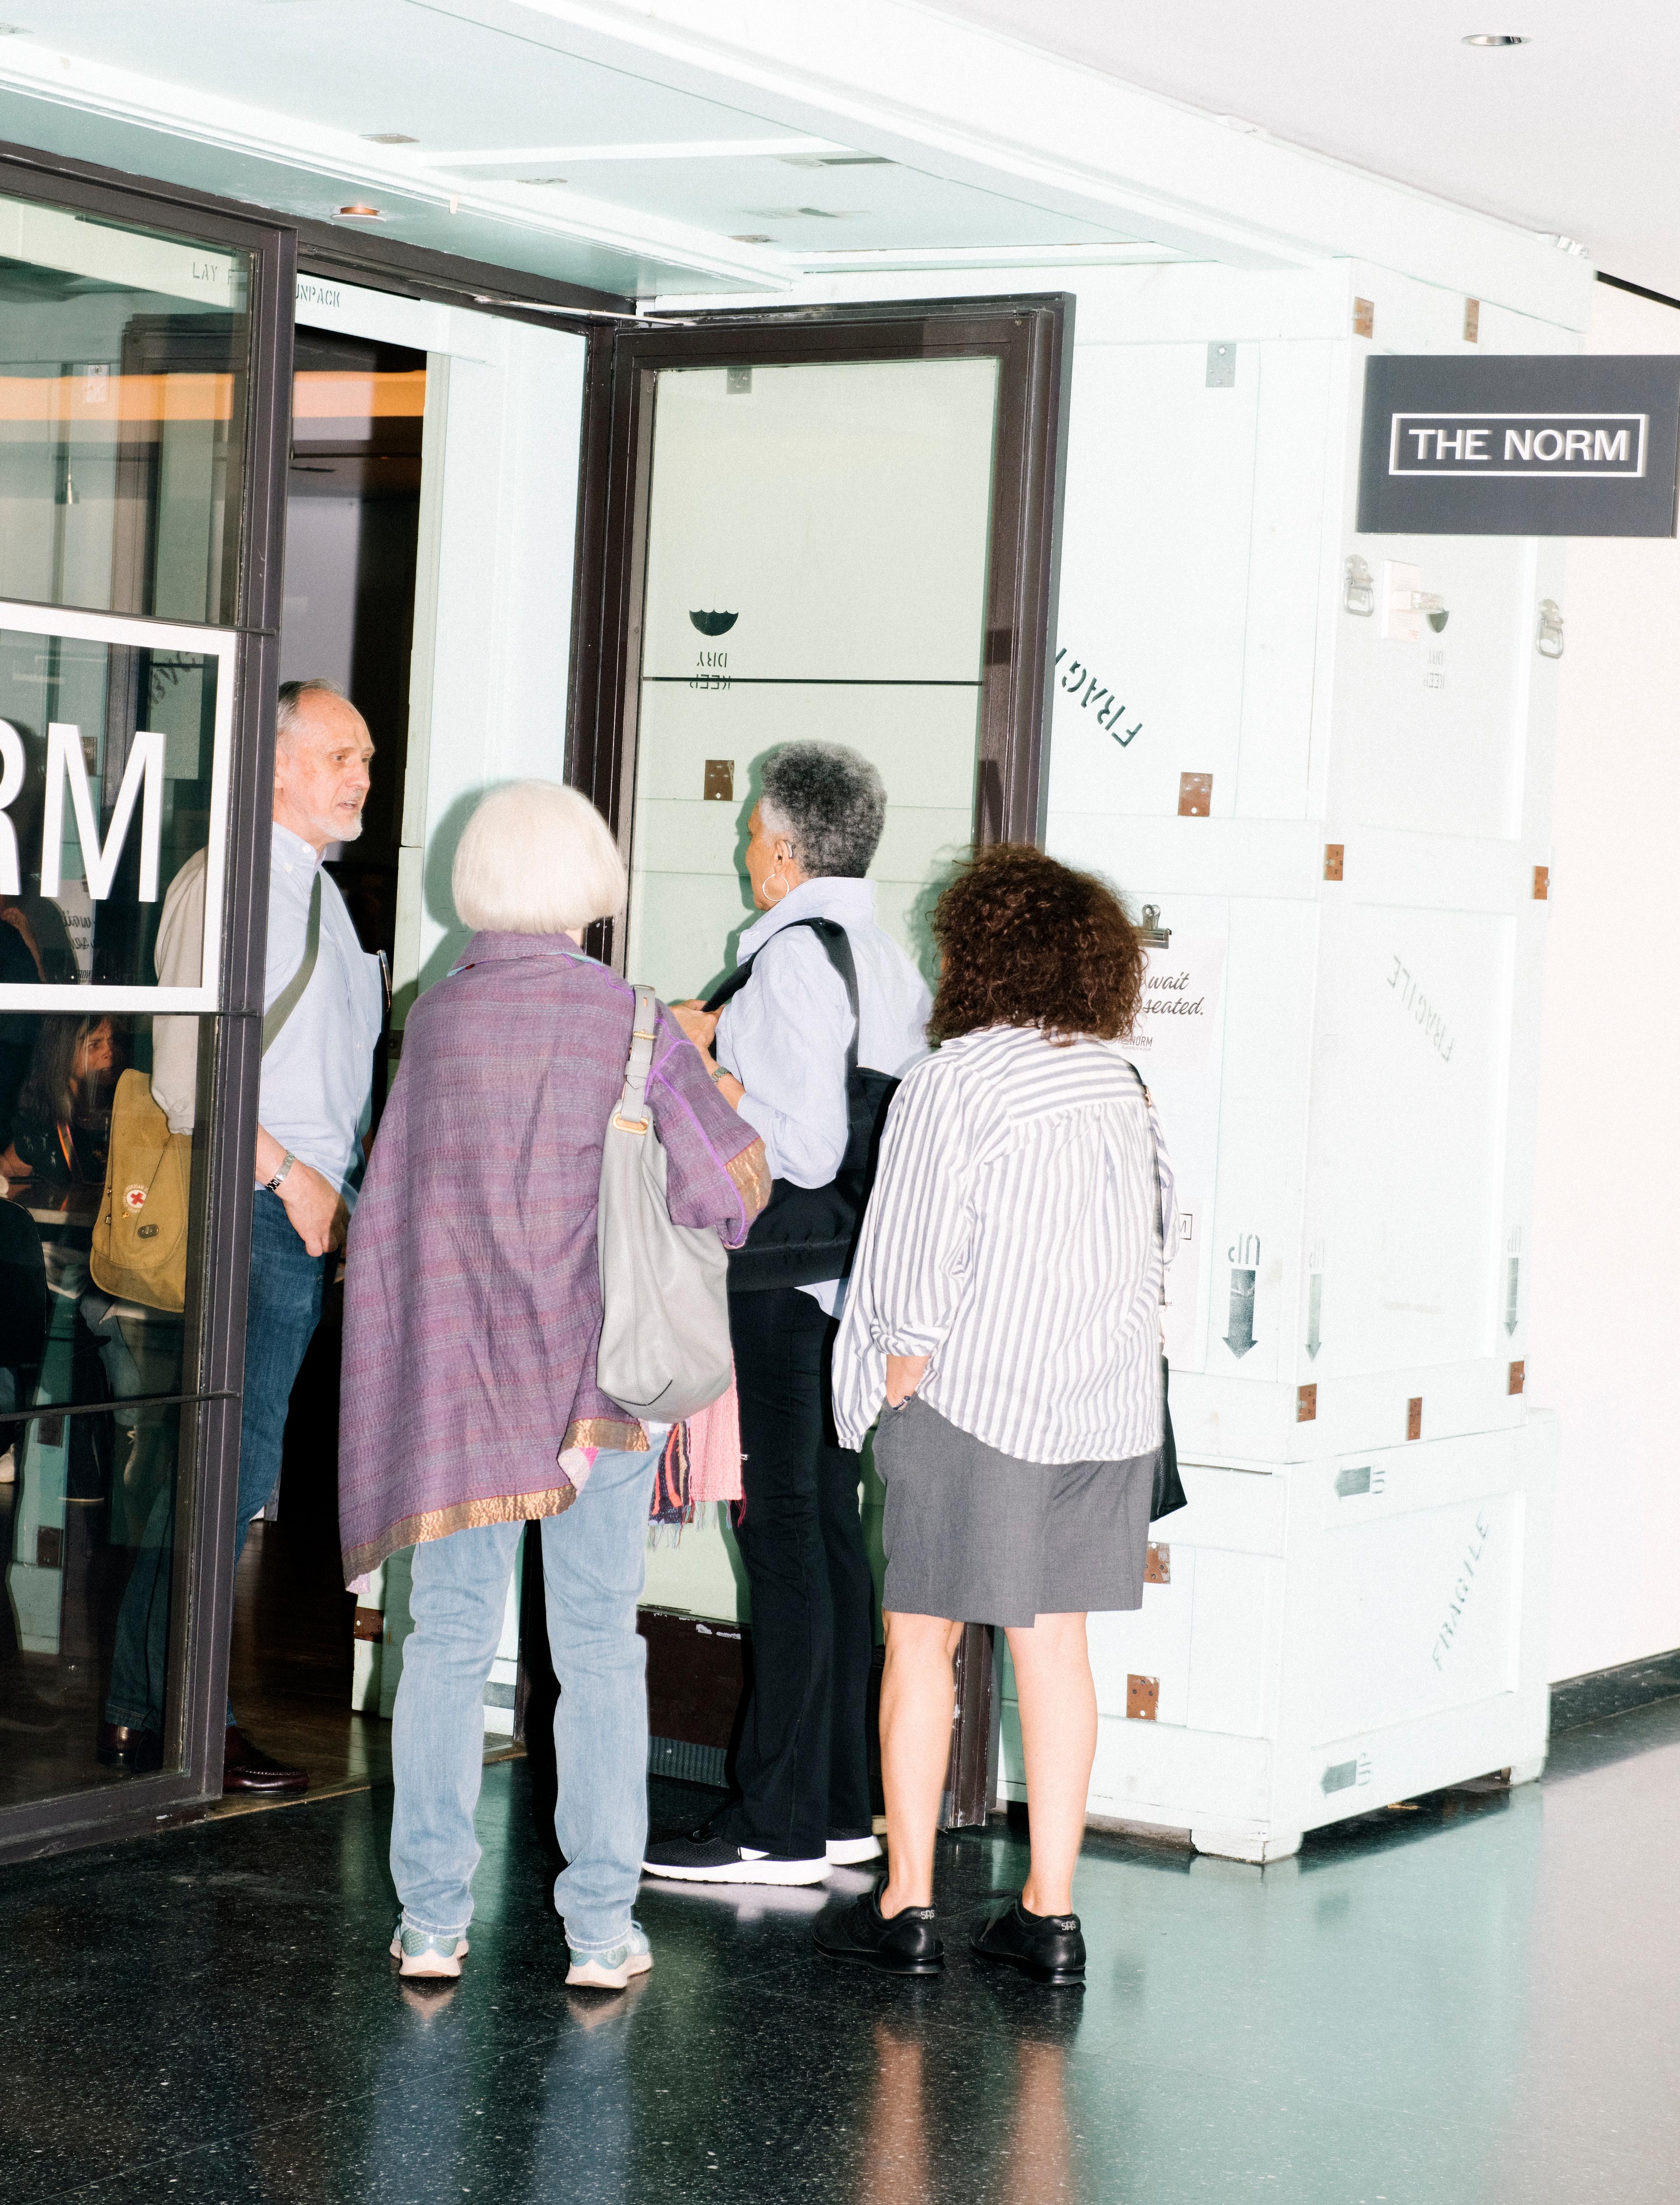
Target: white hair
(537,858)
(292,696)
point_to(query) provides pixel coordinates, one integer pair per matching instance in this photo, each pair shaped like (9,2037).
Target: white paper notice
(1180,1014)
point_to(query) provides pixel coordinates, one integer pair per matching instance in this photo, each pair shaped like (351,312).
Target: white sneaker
(423,1953)
(848,1852)
(703,1858)
(611,1970)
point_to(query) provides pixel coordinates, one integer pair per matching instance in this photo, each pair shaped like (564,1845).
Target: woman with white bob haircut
(472,1313)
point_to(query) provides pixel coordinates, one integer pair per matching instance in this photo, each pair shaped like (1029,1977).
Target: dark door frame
(1030,337)
(279,246)
(202,1609)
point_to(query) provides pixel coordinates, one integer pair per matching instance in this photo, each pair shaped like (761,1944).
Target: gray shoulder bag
(664,1352)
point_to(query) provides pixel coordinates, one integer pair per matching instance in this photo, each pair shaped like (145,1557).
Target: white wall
(1605,1314)
(493,609)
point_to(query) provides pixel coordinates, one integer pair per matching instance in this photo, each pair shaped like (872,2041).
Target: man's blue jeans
(594,1558)
(281,1314)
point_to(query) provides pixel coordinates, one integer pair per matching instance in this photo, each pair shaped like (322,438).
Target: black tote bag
(1169,1493)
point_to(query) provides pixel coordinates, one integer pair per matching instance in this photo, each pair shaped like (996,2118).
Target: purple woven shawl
(473,1301)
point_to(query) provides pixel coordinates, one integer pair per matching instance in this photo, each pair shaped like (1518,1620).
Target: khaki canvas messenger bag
(140,1239)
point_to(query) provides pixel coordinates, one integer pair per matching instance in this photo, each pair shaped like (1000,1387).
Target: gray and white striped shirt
(1012,1236)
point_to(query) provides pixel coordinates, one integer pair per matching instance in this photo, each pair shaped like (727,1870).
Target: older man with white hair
(322,1014)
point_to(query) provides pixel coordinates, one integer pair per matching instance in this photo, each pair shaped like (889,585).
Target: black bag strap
(1169,1495)
(832,937)
(1154,1160)
(291,994)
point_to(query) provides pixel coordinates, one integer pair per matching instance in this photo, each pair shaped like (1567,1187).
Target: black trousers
(803,1765)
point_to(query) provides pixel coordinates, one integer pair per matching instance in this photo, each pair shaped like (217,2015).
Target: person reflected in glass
(61,1128)
(781,1059)
(34,940)
(20,967)
(312,1110)
(1005,1307)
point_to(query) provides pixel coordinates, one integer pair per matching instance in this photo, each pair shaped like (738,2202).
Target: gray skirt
(983,1538)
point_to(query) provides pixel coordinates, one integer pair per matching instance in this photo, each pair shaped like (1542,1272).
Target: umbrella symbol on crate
(713,623)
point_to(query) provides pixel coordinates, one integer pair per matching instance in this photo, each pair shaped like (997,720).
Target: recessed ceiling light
(358,211)
(1494,38)
(388,138)
(750,237)
(539,180)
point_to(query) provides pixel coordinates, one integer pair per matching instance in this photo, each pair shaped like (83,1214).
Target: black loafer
(246,1767)
(1048,1947)
(126,1746)
(906,1945)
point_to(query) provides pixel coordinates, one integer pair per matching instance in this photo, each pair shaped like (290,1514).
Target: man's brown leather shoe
(126,1746)
(246,1767)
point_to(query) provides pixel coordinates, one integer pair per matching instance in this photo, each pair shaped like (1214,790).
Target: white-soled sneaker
(611,1970)
(705,1858)
(424,1954)
(852,1852)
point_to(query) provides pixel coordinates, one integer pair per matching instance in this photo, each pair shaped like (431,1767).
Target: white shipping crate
(1325,1636)
(1341,817)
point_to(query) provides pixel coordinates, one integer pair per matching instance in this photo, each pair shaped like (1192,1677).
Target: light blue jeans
(594,1559)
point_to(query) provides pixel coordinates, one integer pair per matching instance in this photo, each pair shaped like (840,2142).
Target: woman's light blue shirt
(784,1035)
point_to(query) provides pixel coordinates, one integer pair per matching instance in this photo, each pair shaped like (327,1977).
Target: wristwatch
(286,1164)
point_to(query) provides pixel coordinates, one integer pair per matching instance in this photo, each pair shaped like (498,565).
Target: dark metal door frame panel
(202,1609)
(1031,338)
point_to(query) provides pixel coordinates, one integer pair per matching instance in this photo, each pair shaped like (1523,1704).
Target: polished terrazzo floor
(1478,2000)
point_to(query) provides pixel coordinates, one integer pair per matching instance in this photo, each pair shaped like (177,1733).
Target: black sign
(1521,444)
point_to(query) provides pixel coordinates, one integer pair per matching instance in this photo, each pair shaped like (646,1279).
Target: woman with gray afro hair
(815,976)
(830,802)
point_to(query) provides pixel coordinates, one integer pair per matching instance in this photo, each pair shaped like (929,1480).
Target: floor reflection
(1463,2005)
(1026,2158)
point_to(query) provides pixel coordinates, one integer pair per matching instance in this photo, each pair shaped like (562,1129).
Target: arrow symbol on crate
(1240,1337)
(1314,1297)
(1511,1295)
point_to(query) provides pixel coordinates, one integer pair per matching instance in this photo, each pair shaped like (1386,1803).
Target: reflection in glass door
(124,394)
(122,408)
(817,566)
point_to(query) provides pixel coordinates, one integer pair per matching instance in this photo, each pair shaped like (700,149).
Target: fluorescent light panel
(707,149)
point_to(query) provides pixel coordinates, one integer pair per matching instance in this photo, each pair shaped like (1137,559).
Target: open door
(837,523)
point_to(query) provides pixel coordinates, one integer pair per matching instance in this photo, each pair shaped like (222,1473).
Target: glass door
(838,525)
(818,554)
(133,568)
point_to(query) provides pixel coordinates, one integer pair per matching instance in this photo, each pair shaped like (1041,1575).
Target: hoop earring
(780,888)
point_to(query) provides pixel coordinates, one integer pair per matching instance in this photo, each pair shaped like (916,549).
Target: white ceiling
(530,138)
(685,147)
(1573,134)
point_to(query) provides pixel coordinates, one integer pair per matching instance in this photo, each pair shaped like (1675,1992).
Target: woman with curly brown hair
(1005,1303)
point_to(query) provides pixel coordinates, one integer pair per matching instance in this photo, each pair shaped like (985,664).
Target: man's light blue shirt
(318,1079)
